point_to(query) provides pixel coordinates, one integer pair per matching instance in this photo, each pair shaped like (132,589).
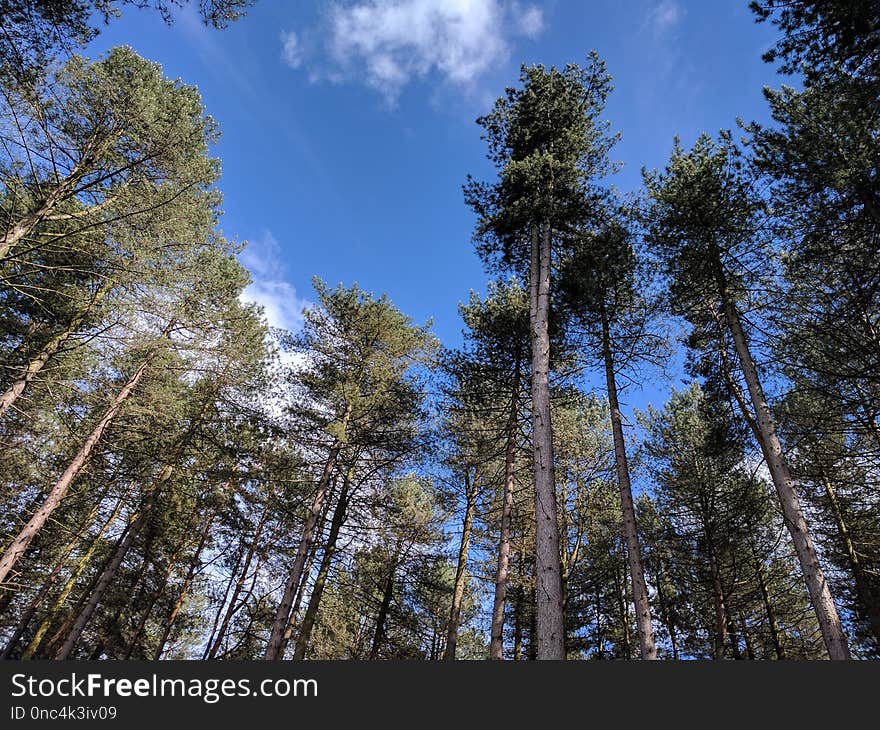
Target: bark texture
(496,643)
(548,568)
(647,645)
(275,646)
(793,514)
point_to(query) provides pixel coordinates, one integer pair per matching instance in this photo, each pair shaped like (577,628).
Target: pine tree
(358,388)
(549,145)
(706,226)
(601,280)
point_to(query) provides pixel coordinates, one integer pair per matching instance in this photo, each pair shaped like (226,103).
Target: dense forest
(180,480)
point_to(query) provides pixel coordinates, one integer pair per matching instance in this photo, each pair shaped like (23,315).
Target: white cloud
(665,16)
(269,288)
(389,43)
(529,20)
(291,50)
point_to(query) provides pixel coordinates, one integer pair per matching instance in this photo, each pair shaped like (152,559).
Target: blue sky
(348,128)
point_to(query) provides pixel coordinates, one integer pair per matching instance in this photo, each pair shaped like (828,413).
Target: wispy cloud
(665,17)
(528,19)
(291,49)
(269,287)
(386,44)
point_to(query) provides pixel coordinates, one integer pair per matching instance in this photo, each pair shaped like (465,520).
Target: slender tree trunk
(216,640)
(336,522)
(387,595)
(620,590)
(731,614)
(548,568)
(301,588)
(81,565)
(47,586)
(666,616)
(862,586)
(166,577)
(775,633)
(50,349)
(105,635)
(518,607)
(135,524)
(647,645)
(461,569)
(20,544)
(496,643)
(771,446)
(147,610)
(275,645)
(721,639)
(565,559)
(168,624)
(223,606)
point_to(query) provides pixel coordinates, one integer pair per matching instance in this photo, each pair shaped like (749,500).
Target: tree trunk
(147,611)
(166,577)
(620,590)
(81,565)
(775,633)
(720,637)
(566,559)
(336,522)
(820,593)
(862,586)
(47,586)
(307,570)
(387,594)
(135,524)
(275,645)
(103,640)
(548,568)
(168,624)
(496,643)
(232,607)
(50,349)
(647,645)
(20,544)
(461,569)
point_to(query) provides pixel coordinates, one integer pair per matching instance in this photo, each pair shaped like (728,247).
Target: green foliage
(549,143)
(197,487)
(823,35)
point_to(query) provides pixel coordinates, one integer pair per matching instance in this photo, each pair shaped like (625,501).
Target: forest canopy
(181,480)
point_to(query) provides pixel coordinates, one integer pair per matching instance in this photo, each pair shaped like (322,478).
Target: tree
(549,146)
(100,142)
(36,30)
(705,224)
(719,573)
(485,414)
(358,387)
(835,474)
(600,280)
(594,563)
(823,34)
